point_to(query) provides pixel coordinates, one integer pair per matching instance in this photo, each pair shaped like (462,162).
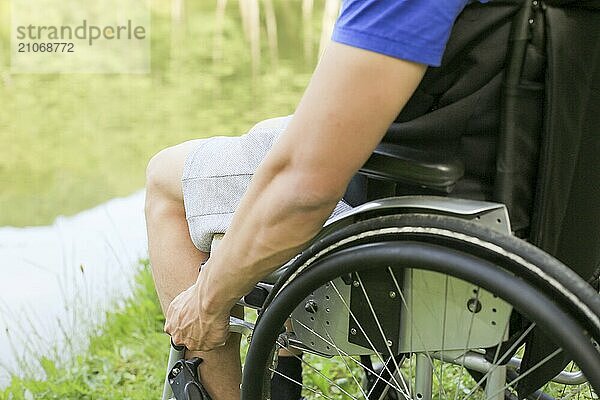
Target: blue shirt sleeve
(413,30)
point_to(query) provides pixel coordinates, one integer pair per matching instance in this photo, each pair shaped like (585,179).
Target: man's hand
(192,325)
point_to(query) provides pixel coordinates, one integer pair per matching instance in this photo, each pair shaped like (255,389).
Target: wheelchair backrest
(517,99)
(565,222)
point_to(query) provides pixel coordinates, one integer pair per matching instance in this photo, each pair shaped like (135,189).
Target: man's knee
(163,174)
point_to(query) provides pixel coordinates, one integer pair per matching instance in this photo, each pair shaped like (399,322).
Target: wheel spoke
(499,346)
(442,390)
(530,370)
(385,389)
(385,339)
(347,355)
(304,362)
(377,354)
(411,318)
(506,354)
(345,363)
(299,384)
(462,366)
(591,393)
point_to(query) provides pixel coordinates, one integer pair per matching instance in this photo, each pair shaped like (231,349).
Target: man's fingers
(198,345)
(215,343)
(177,337)
(193,334)
(189,344)
(170,328)
(168,320)
(192,344)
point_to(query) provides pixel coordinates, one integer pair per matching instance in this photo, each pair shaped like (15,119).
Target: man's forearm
(277,217)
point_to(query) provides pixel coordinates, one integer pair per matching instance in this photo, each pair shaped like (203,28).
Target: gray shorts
(217,173)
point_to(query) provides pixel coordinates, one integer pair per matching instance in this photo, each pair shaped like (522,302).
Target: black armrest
(396,163)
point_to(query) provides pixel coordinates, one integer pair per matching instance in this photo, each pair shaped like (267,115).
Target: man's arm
(352,99)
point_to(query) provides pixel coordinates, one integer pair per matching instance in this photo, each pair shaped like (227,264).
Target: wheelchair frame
(490,325)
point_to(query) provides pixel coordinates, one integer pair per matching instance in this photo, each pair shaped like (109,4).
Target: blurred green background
(71,141)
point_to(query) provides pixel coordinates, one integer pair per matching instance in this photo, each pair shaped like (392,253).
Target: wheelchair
(443,282)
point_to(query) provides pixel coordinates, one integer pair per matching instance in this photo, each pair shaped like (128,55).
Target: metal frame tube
(175,354)
(494,386)
(423,377)
(477,362)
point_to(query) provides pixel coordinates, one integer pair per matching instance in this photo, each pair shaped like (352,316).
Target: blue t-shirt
(413,30)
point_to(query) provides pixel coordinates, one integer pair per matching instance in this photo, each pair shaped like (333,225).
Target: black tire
(538,286)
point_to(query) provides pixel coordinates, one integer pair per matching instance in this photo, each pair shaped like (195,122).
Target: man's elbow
(313,191)
(304,184)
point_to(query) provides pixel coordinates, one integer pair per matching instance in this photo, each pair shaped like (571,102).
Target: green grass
(125,360)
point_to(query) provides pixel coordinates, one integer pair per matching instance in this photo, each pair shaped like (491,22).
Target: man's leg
(175,261)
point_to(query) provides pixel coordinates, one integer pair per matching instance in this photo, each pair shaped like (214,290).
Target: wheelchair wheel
(408,306)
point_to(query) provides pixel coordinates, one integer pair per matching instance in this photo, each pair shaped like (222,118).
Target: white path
(57,281)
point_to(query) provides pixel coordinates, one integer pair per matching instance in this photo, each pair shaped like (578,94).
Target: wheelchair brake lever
(180,373)
(185,381)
